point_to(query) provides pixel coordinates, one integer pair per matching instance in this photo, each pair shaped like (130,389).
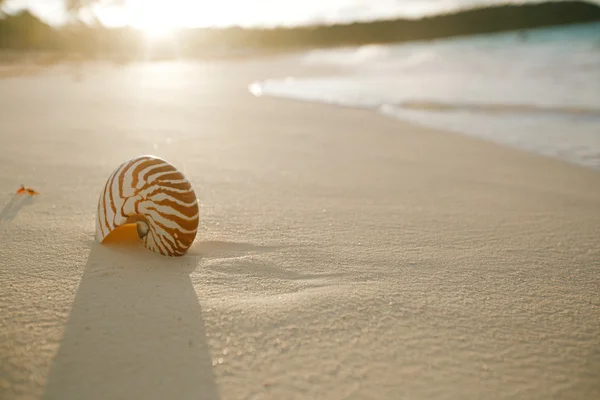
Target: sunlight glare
(157,32)
(153,17)
(160,19)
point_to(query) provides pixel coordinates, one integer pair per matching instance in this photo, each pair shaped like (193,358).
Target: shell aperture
(142,229)
(153,194)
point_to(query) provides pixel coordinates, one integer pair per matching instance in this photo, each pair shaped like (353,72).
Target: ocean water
(538,90)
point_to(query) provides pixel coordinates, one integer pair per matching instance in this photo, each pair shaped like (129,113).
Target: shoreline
(379,110)
(555,118)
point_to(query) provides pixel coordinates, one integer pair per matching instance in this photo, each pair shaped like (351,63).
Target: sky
(154,14)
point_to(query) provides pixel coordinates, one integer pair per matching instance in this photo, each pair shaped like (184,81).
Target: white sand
(341,255)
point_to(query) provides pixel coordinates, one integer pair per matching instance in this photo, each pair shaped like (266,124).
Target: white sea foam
(538,90)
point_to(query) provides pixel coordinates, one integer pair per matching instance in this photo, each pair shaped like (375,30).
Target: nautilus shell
(153,194)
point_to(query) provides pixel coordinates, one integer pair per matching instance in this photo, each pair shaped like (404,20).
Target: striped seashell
(151,193)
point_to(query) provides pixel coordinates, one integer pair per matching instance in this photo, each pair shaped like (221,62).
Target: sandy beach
(341,254)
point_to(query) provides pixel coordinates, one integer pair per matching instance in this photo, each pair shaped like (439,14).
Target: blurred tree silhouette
(74,7)
(85,35)
(91,37)
(24,30)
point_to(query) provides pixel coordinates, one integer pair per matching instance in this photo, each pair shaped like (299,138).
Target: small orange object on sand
(26,190)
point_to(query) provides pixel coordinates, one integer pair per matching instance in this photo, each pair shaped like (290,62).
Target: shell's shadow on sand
(135,331)
(10,210)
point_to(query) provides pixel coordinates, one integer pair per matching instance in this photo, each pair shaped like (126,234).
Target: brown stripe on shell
(106,221)
(177,185)
(157,238)
(125,171)
(185,224)
(148,163)
(187,210)
(172,240)
(166,242)
(157,170)
(98,221)
(167,182)
(110,195)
